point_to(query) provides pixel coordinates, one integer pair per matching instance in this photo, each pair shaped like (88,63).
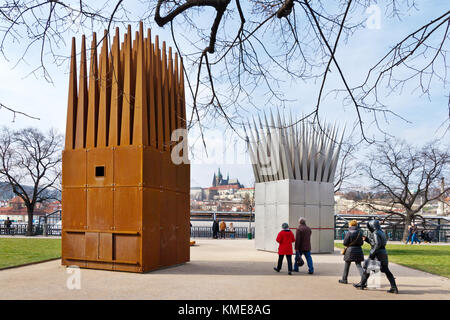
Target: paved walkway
(219,269)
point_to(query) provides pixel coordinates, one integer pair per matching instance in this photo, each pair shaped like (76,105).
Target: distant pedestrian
(215,228)
(409,238)
(303,245)
(377,241)
(427,236)
(414,235)
(231,229)
(223,227)
(8,225)
(285,239)
(353,242)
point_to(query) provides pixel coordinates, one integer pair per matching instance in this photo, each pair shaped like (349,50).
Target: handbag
(299,261)
(352,243)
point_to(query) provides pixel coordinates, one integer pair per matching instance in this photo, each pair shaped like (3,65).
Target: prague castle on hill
(223,195)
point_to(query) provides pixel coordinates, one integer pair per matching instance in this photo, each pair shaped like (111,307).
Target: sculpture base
(287,200)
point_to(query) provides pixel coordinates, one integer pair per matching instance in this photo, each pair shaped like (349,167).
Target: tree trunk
(30,222)
(408,219)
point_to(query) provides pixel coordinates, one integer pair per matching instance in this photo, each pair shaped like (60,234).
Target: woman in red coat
(285,238)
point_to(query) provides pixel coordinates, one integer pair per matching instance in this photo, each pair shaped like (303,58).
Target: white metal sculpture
(295,150)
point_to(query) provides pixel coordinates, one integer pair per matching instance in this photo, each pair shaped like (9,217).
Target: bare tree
(347,167)
(251,46)
(409,177)
(30,158)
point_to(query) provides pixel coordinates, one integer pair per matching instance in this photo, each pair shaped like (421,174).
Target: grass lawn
(18,251)
(428,258)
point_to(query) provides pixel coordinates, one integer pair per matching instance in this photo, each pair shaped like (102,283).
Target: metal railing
(20,229)
(206,232)
(437,227)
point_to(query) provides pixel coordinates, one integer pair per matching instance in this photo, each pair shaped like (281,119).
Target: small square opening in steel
(100,171)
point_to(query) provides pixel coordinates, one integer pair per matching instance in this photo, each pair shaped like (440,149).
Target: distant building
(223,195)
(17,211)
(218,180)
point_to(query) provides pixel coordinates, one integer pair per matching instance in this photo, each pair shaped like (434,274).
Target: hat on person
(285,226)
(353,223)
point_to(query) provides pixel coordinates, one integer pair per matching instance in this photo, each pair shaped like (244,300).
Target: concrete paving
(220,270)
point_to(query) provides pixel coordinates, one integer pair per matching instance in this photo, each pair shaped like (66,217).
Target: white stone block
(259,226)
(283,189)
(312,193)
(326,217)
(282,214)
(271,228)
(312,216)
(315,237)
(271,192)
(296,211)
(297,192)
(326,193)
(326,241)
(260,193)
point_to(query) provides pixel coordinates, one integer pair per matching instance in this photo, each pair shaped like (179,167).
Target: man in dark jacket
(215,228)
(377,241)
(303,245)
(8,225)
(353,241)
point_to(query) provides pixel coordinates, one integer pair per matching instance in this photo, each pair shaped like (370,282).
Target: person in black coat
(215,228)
(377,241)
(353,241)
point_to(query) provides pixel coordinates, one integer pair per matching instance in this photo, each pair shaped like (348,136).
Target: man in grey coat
(377,241)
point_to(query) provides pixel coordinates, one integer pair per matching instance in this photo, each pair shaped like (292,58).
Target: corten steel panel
(128,165)
(100,209)
(151,228)
(172,222)
(74,168)
(152,167)
(126,267)
(74,208)
(183,227)
(105,250)
(127,248)
(168,251)
(179,173)
(128,208)
(100,157)
(186,177)
(91,245)
(73,246)
(168,171)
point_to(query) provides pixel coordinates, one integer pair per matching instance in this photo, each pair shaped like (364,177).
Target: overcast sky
(48,101)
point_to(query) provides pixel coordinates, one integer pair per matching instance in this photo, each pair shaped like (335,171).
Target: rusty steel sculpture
(125,203)
(294,164)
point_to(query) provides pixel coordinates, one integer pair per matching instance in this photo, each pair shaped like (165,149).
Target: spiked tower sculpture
(294,166)
(125,203)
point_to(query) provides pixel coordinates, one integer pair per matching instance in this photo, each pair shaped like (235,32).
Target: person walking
(231,229)
(303,245)
(8,225)
(353,242)
(285,239)
(223,227)
(377,240)
(215,228)
(409,238)
(414,236)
